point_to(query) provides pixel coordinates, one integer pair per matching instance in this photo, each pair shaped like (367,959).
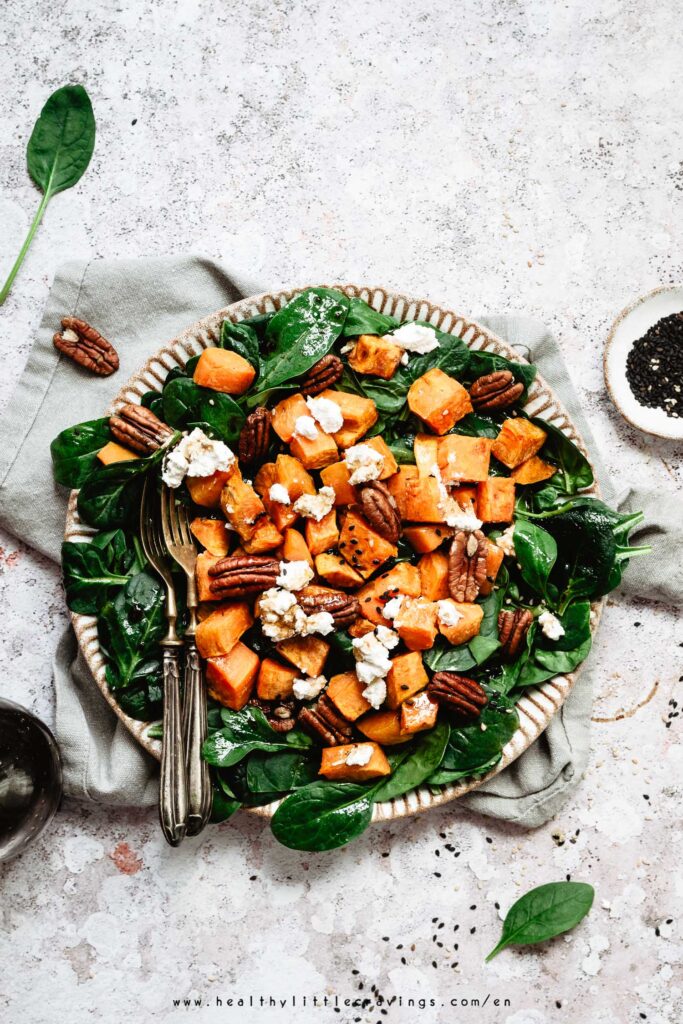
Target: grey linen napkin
(141,304)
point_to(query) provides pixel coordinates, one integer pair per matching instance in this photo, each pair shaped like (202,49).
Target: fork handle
(195,728)
(173,783)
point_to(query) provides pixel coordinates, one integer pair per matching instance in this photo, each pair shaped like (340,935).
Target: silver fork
(182,549)
(173,781)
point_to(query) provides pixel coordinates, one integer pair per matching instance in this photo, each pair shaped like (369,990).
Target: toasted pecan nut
(243,575)
(466,565)
(279,714)
(380,509)
(495,391)
(513,627)
(254,439)
(86,346)
(138,428)
(325,723)
(344,608)
(460,693)
(324,374)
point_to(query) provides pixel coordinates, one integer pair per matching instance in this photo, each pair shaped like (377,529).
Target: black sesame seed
(654,366)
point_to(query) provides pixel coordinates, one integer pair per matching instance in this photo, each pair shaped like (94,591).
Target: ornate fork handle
(173,783)
(195,727)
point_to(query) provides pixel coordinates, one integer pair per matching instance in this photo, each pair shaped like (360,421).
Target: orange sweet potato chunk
(383,727)
(285,414)
(375,356)
(275,681)
(204,562)
(362,547)
(225,371)
(294,478)
(323,535)
(230,677)
(425,449)
(494,560)
(314,453)
(467,626)
(206,490)
(390,465)
(219,632)
(424,539)
(464,458)
(241,505)
(266,537)
(337,476)
(496,499)
(113,452)
(406,677)
(281,514)
(433,569)
(418,713)
(404,578)
(416,623)
(359,415)
(361,627)
(295,548)
(439,400)
(336,571)
(308,653)
(334,766)
(517,441)
(417,498)
(533,471)
(346,693)
(212,534)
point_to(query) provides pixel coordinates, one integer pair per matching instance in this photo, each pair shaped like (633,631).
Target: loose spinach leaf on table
(471,749)
(187,405)
(91,571)
(323,816)
(543,913)
(281,771)
(130,627)
(363,319)
(245,731)
(74,451)
(242,339)
(410,768)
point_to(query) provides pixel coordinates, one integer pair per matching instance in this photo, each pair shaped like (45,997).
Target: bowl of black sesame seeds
(644,363)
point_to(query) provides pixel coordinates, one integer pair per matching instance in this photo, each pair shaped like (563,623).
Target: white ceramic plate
(631,324)
(537,707)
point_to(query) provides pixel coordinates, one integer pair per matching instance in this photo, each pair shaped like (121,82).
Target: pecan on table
(138,428)
(325,723)
(513,627)
(243,575)
(380,509)
(343,608)
(279,713)
(323,375)
(495,391)
(254,437)
(460,693)
(467,565)
(86,346)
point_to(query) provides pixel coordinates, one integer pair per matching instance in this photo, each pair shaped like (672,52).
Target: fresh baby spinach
(281,771)
(245,731)
(130,628)
(323,816)
(187,405)
(363,319)
(242,339)
(482,363)
(544,912)
(475,747)
(110,496)
(92,571)
(74,451)
(413,766)
(536,552)
(574,469)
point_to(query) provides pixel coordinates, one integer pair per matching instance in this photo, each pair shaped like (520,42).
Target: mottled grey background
(494,156)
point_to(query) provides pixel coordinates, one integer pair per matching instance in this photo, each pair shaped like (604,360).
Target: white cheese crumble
(393,607)
(195,455)
(360,756)
(376,693)
(550,625)
(373,663)
(327,413)
(294,575)
(309,688)
(405,359)
(447,613)
(506,541)
(454,514)
(281,616)
(363,463)
(279,493)
(319,622)
(387,637)
(315,506)
(415,338)
(304,426)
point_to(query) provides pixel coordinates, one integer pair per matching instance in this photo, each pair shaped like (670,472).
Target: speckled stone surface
(493,156)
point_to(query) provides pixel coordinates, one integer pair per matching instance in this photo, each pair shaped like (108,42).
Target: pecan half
(461,693)
(380,509)
(254,437)
(513,627)
(279,714)
(343,608)
(323,375)
(86,346)
(243,575)
(467,565)
(138,428)
(325,723)
(495,391)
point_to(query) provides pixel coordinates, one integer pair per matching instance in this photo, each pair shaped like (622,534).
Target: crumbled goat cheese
(415,338)
(281,616)
(319,622)
(387,637)
(550,625)
(278,493)
(363,463)
(447,613)
(506,541)
(372,666)
(327,413)
(195,455)
(360,755)
(393,607)
(376,693)
(304,426)
(454,514)
(294,575)
(405,359)
(309,688)
(315,506)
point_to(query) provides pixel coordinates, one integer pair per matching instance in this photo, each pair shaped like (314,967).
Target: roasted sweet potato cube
(206,490)
(230,677)
(293,476)
(463,458)
(337,476)
(496,499)
(406,677)
(295,548)
(282,515)
(212,534)
(533,471)
(361,627)
(398,487)
(359,415)
(323,535)
(362,547)
(439,400)
(223,370)
(241,506)
(426,451)
(466,497)
(113,452)
(221,630)
(416,623)
(418,713)
(375,356)
(404,578)
(314,453)
(266,537)
(390,465)
(275,681)
(433,569)
(417,498)
(334,766)
(517,441)
(308,653)
(494,559)
(337,571)
(424,539)
(285,414)
(346,693)
(383,727)
(204,561)
(468,624)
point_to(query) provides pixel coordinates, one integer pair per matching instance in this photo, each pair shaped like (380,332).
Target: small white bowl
(631,324)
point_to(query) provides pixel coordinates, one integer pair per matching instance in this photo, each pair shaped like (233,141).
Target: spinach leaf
(486,642)
(481,363)
(130,628)
(544,912)
(474,425)
(58,153)
(154,401)
(142,699)
(323,816)
(471,749)
(110,496)
(258,323)
(91,571)
(536,554)
(363,319)
(242,339)
(575,472)
(245,731)
(416,765)
(74,451)
(223,806)
(403,450)
(282,771)
(442,657)
(187,405)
